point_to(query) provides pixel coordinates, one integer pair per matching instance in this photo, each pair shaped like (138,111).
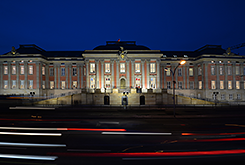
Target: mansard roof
(115,45)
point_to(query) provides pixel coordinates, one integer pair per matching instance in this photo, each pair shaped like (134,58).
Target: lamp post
(173,79)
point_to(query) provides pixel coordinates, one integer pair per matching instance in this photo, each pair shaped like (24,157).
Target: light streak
(31,144)
(31,134)
(39,108)
(194,134)
(133,133)
(28,157)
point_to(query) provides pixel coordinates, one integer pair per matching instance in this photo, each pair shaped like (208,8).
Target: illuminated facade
(117,67)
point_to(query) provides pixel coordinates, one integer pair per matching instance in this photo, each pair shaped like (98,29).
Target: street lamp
(182,62)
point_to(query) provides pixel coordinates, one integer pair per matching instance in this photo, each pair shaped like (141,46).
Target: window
(190,71)
(214,96)
(199,70)
(22,84)
(169,85)
(238,96)
(74,71)
(30,84)
(43,70)
(212,70)
(230,96)
(153,82)
(30,69)
(200,85)
(137,83)
(191,85)
(122,67)
(92,67)
(63,71)
(51,71)
(5,84)
(107,82)
(137,67)
(152,67)
(180,84)
(74,84)
(237,84)
(51,84)
(222,96)
(168,71)
(5,69)
(229,84)
(13,69)
(13,84)
(213,85)
(107,67)
(229,70)
(63,84)
(221,70)
(43,85)
(221,84)
(22,69)
(179,71)
(92,83)
(237,70)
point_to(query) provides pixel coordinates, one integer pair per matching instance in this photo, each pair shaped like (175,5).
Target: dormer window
(175,56)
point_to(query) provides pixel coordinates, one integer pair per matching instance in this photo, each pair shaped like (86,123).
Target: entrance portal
(122,83)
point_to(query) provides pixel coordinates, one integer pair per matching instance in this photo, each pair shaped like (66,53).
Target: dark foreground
(96,135)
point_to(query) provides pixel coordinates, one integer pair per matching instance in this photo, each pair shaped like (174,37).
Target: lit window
(92,83)
(221,70)
(237,70)
(237,84)
(137,67)
(168,71)
(238,96)
(122,67)
(13,69)
(13,84)
(30,69)
(22,69)
(191,85)
(43,85)
(152,67)
(5,84)
(229,84)
(107,82)
(63,84)
(107,67)
(74,84)
(74,71)
(30,84)
(229,70)
(180,84)
(51,71)
(221,84)
(230,96)
(212,70)
(153,82)
(22,84)
(213,85)
(5,69)
(137,83)
(222,96)
(179,71)
(200,85)
(190,71)
(63,71)
(92,67)
(51,84)
(169,85)
(43,70)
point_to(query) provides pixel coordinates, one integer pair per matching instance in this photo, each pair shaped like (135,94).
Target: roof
(115,45)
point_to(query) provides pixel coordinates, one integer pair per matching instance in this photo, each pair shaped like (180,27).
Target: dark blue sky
(157,24)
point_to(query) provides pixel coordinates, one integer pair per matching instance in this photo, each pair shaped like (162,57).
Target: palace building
(123,67)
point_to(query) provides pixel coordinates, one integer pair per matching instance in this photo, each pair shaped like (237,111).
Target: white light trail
(28,157)
(39,108)
(31,144)
(133,133)
(31,134)
(26,128)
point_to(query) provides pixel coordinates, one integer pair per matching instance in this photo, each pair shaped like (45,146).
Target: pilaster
(102,74)
(158,73)
(127,70)
(148,74)
(143,74)
(97,74)
(132,71)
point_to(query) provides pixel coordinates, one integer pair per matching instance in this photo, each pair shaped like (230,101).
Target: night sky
(157,24)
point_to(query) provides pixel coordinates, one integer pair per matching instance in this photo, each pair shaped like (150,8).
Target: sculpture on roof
(122,53)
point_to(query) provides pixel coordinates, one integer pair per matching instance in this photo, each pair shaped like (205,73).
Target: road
(70,136)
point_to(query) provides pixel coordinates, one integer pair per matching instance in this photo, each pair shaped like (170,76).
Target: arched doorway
(122,83)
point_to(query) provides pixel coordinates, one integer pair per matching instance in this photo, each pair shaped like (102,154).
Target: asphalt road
(70,136)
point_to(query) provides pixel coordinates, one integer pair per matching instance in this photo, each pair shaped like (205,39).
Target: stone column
(143,74)
(87,75)
(17,74)
(9,75)
(132,73)
(158,73)
(234,75)
(217,75)
(82,72)
(26,73)
(70,76)
(206,75)
(117,77)
(38,74)
(78,76)
(127,70)
(55,76)
(148,74)
(187,77)
(66,75)
(112,74)
(102,74)
(226,76)
(97,74)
